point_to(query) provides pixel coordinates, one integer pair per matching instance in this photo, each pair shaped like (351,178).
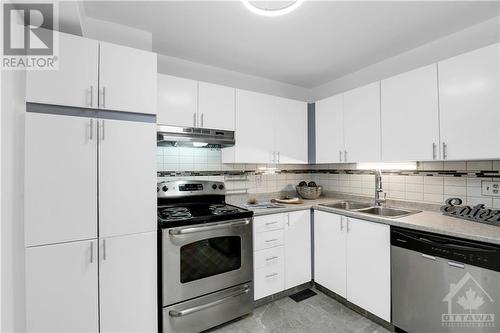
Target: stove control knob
(221,187)
(157,189)
(214,186)
(164,188)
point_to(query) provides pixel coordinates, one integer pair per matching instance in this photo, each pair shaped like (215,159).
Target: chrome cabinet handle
(434,155)
(341,223)
(179,313)
(271,258)
(455,264)
(91,136)
(347,224)
(279,157)
(103,249)
(445,151)
(345,155)
(340,155)
(271,240)
(91,96)
(271,223)
(91,252)
(426,256)
(190,230)
(194,119)
(103,97)
(102,129)
(201,119)
(271,275)
(273,159)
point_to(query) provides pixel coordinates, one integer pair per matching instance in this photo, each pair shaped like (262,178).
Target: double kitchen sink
(364,208)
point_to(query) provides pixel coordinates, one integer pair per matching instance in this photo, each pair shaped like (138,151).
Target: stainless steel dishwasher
(444,284)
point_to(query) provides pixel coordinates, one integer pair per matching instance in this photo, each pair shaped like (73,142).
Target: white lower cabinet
(330,252)
(282,252)
(369,266)
(83,287)
(61,288)
(352,258)
(128,287)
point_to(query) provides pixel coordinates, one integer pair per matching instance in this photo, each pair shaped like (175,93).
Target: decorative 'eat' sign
(478,213)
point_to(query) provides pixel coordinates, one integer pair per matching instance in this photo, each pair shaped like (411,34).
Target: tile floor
(317,314)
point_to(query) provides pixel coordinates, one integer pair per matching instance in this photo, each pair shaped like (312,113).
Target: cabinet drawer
(269,258)
(269,222)
(269,280)
(266,240)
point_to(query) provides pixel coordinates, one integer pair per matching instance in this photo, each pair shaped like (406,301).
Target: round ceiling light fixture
(272,8)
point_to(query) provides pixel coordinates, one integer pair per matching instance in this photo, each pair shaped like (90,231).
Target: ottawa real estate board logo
(29,41)
(469,306)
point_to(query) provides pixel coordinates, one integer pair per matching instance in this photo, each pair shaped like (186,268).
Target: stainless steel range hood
(193,137)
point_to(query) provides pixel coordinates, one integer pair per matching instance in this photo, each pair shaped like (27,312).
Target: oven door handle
(179,313)
(190,230)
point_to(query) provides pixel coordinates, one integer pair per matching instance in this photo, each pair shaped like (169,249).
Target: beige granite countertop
(428,219)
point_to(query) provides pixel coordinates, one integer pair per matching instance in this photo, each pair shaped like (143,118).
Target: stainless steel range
(206,256)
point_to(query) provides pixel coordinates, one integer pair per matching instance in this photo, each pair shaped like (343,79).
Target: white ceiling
(319,42)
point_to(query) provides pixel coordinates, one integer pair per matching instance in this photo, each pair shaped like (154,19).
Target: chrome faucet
(380,195)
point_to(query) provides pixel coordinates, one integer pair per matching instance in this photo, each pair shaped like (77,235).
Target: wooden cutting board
(289,201)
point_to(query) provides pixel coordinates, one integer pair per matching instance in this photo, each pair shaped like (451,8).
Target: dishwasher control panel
(451,248)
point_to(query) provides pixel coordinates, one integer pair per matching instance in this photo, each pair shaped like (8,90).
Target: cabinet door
(60,179)
(369,267)
(330,251)
(290,131)
(216,106)
(298,249)
(254,127)
(362,123)
(127,177)
(410,116)
(177,101)
(469,105)
(330,130)
(127,79)
(74,83)
(128,283)
(62,288)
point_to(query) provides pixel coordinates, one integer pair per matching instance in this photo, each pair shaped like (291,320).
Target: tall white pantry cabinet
(90,212)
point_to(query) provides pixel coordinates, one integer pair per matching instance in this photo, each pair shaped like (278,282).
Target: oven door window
(210,257)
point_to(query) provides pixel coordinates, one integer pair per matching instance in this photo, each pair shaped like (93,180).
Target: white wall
(196,71)
(485,33)
(117,34)
(12,214)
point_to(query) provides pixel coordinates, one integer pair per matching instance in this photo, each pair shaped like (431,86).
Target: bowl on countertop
(309,192)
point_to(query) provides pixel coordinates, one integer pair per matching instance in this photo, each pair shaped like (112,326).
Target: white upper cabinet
(290,131)
(330,130)
(127,79)
(410,116)
(362,124)
(62,288)
(469,105)
(330,241)
(216,106)
(97,75)
(127,177)
(369,266)
(60,179)
(177,101)
(74,83)
(269,129)
(298,248)
(254,127)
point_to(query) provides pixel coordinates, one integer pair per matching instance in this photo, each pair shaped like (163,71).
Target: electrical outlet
(490,188)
